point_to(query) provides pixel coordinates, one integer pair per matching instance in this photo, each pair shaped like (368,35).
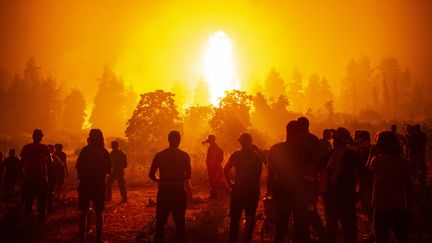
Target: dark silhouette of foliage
(155,115)
(196,124)
(32,101)
(231,117)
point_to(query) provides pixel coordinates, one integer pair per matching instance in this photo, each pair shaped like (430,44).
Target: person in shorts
(93,167)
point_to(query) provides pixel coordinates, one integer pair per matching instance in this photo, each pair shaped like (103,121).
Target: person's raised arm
(153,168)
(227,170)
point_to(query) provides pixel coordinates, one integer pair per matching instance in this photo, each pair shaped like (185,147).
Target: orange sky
(152,44)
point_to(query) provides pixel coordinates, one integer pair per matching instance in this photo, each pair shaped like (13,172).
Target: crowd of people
(339,169)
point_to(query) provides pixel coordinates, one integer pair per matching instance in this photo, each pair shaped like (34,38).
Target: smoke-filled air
(222,96)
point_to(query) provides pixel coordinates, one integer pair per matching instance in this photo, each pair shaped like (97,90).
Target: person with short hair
(174,176)
(119,163)
(93,167)
(341,165)
(316,149)
(287,163)
(245,192)
(392,189)
(35,157)
(12,175)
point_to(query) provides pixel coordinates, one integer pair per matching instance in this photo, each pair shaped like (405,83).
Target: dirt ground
(207,221)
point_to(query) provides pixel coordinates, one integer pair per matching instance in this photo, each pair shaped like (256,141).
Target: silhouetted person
(61,169)
(326,145)
(35,157)
(245,191)
(52,177)
(341,164)
(313,146)
(174,174)
(119,163)
(93,167)
(214,159)
(401,138)
(417,153)
(392,189)
(12,174)
(1,168)
(365,176)
(287,163)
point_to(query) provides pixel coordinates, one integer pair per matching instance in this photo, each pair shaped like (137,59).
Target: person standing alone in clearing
(174,177)
(119,163)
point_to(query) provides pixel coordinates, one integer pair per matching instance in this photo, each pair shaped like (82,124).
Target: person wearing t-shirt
(247,164)
(35,157)
(392,189)
(93,167)
(174,179)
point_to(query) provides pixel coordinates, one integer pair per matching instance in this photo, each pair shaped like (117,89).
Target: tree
(74,111)
(274,85)
(295,92)
(231,117)
(312,91)
(33,101)
(196,124)
(154,117)
(110,111)
(398,82)
(357,85)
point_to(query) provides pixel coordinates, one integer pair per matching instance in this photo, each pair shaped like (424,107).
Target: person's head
(357,135)
(114,145)
(388,143)
(327,134)
(37,135)
(409,129)
(364,138)
(12,153)
(393,128)
(293,131)
(303,123)
(58,147)
(342,137)
(245,140)
(96,138)
(211,139)
(174,139)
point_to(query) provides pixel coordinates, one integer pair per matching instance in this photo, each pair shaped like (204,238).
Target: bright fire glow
(219,68)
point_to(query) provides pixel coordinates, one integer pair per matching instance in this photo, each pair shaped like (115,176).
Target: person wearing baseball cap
(214,159)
